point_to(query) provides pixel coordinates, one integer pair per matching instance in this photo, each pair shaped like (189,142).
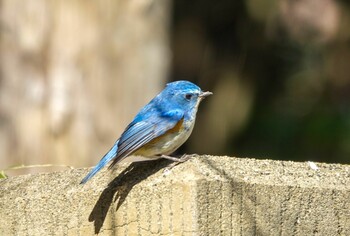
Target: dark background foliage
(280,75)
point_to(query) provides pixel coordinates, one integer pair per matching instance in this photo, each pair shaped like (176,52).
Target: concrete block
(208,195)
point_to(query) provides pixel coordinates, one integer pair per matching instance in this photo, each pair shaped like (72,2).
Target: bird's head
(184,95)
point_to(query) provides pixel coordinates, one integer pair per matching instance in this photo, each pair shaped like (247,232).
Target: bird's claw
(182,159)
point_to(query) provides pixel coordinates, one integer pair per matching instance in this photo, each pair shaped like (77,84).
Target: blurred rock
(74,73)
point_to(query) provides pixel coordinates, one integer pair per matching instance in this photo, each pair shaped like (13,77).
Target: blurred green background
(74,73)
(280,75)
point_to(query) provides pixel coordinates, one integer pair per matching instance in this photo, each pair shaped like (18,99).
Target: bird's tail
(105,159)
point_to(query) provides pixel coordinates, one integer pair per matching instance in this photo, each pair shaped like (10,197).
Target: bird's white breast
(168,142)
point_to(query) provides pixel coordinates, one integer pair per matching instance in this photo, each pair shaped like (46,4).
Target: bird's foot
(183,158)
(177,161)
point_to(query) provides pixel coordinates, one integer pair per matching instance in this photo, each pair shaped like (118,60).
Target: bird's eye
(188,96)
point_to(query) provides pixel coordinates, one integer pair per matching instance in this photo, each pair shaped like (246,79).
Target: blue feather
(103,162)
(139,133)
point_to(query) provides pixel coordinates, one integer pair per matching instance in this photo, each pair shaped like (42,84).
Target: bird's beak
(205,94)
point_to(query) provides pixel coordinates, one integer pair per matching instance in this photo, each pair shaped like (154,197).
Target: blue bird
(159,128)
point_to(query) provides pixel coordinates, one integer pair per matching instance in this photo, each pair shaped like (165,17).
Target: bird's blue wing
(141,132)
(105,159)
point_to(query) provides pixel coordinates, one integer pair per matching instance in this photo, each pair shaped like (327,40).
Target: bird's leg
(177,161)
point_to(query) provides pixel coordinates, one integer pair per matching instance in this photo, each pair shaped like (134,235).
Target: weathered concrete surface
(204,196)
